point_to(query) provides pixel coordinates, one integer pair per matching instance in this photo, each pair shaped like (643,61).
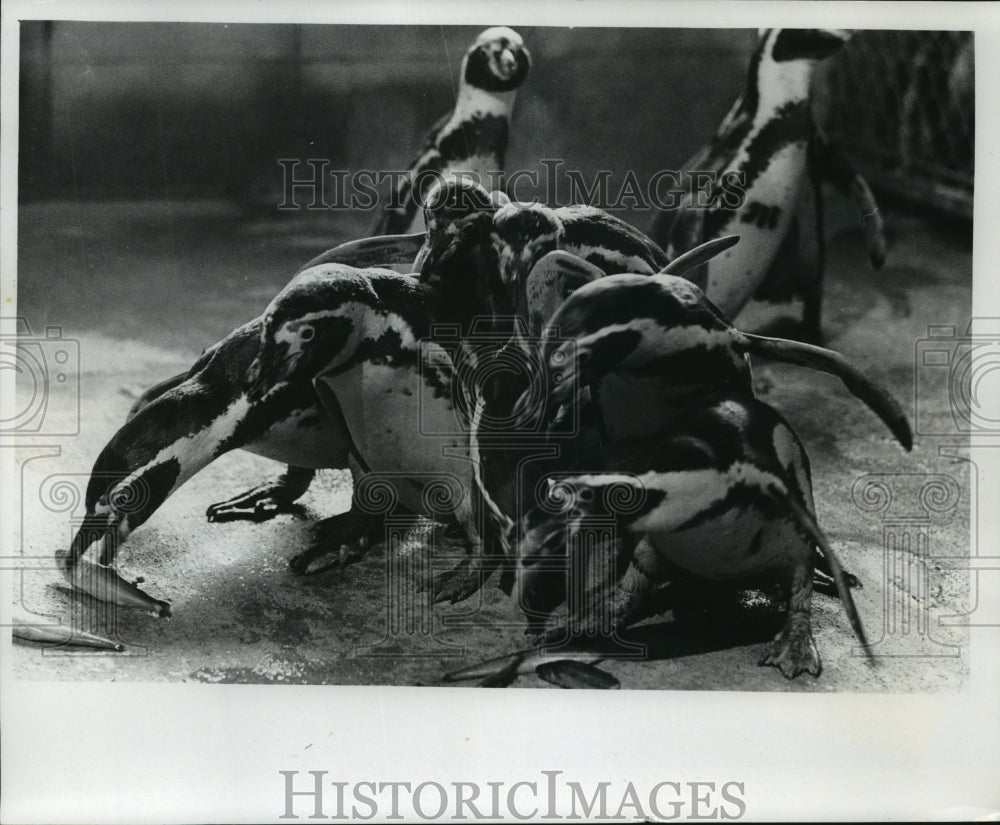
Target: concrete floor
(145,286)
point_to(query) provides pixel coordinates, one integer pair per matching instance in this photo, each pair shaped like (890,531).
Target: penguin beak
(507,62)
(438,250)
(426,261)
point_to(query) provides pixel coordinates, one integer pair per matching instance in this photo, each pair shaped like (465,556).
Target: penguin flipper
(378,250)
(837,169)
(154,392)
(552,280)
(701,254)
(876,397)
(687,232)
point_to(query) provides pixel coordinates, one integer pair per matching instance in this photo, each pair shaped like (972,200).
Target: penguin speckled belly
(363,339)
(723,493)
(472,138)
(768,148)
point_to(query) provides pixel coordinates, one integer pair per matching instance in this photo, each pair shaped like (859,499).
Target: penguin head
(457,217)
(309,327)
(522,234)
(497,61)
(787,45)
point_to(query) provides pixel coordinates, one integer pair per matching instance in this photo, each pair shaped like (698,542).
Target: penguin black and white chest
(362,337)
(472,138)
(762,149)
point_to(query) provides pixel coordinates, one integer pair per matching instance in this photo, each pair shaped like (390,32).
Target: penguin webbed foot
(265,501)
(460,582)
(824,583)
(256,505)
(794,649)
(338,541)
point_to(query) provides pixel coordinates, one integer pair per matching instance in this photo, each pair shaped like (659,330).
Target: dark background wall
(172,110)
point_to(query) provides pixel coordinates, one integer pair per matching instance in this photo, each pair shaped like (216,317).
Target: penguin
(187,422)
(175,435)
(665,342)
(723,494)
(279,494)
(472,138)
(769,151)
(365,340)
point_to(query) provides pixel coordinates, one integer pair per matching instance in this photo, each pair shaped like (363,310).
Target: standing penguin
(768,148)
(472,138)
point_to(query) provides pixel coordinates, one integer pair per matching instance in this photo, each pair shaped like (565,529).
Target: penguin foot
(823,582)
(459,583)
(266,501)
(317,559)
(259,504)
(793,651)
(337,542)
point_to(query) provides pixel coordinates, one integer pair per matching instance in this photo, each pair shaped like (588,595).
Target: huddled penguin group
(632,406)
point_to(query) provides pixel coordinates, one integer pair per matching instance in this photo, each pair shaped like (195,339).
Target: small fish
(25,628)
(568,673)
(105,584)
(566,668)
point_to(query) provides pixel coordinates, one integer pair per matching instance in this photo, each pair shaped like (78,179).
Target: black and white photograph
(365,364)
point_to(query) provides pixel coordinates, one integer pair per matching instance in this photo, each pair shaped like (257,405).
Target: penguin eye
(306,333)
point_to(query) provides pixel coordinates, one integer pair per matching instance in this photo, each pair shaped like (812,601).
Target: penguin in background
(472,138)
(770,147)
